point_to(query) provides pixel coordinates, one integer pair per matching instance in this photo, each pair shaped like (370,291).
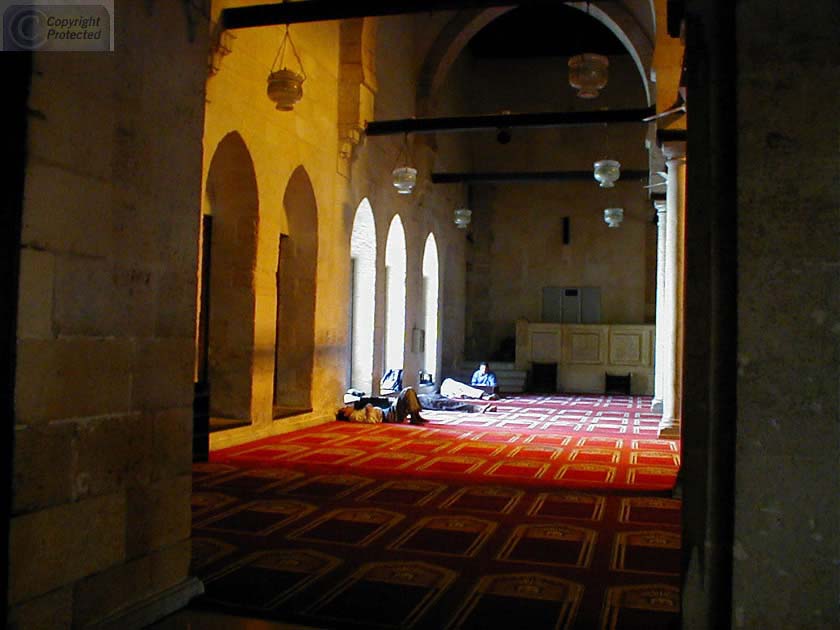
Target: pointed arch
(226,319)
(626,28)
(431,299)
(395,268)
(362,297)
(464,25)
(297,264)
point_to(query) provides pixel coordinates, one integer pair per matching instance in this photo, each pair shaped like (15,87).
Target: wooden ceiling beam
(506,121)
(275,13)
(528,176)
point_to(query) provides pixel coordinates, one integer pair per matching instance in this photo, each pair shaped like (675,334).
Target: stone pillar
(674,270)
(661,301)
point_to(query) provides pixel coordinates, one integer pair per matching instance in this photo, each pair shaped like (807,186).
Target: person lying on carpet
(377,410)
(482,385)
(442,403)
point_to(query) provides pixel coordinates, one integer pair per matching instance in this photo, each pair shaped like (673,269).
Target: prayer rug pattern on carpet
(340,550)
(531,517)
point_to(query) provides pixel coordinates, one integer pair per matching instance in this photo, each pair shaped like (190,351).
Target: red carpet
(443,526)
(570,441)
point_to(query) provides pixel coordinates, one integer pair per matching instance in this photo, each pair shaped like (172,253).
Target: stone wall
(787,514)
(518,250)
(101,509)
(403,43)
(281,146)
(375,62)
(517,244)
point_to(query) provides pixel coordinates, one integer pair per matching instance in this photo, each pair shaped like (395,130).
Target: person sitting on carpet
(482,385)
(377,410)
(483,377)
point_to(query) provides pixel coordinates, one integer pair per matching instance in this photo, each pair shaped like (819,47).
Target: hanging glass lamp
(614,216)
(405,179)
(588,74)
(404,175)
(463,218)
(607,172)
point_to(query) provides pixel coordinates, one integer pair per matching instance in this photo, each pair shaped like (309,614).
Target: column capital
(673,151)
(661,206)
(672,142)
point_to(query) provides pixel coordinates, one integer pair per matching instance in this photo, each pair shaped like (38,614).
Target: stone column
(674,270)
(661,301)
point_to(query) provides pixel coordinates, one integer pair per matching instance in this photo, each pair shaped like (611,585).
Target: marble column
(674,288)
(661,301)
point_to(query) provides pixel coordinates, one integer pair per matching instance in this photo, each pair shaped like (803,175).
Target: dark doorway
(543,378)
(278,315)
(16,71)
(201,401)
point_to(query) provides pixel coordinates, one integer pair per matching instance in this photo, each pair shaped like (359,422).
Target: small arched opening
(395,265)
(431,284)
(363,297)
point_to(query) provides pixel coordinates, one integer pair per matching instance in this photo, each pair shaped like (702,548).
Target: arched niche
(228,304)
(297,263)
(395,267)
(363,297)
(431,300)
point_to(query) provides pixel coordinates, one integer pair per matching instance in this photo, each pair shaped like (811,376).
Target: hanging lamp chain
(607,155)
(281,53)
(404,154)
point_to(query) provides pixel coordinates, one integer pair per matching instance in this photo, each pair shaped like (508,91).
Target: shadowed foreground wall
(103,399)
(787,516)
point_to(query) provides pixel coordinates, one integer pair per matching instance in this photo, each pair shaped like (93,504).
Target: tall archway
(431,285)
(395,296)
(464,25)
(363,297)
(226,319)
(297,263)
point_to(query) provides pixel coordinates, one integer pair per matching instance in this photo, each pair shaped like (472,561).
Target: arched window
(431,275)
(395,296)
(363,297)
